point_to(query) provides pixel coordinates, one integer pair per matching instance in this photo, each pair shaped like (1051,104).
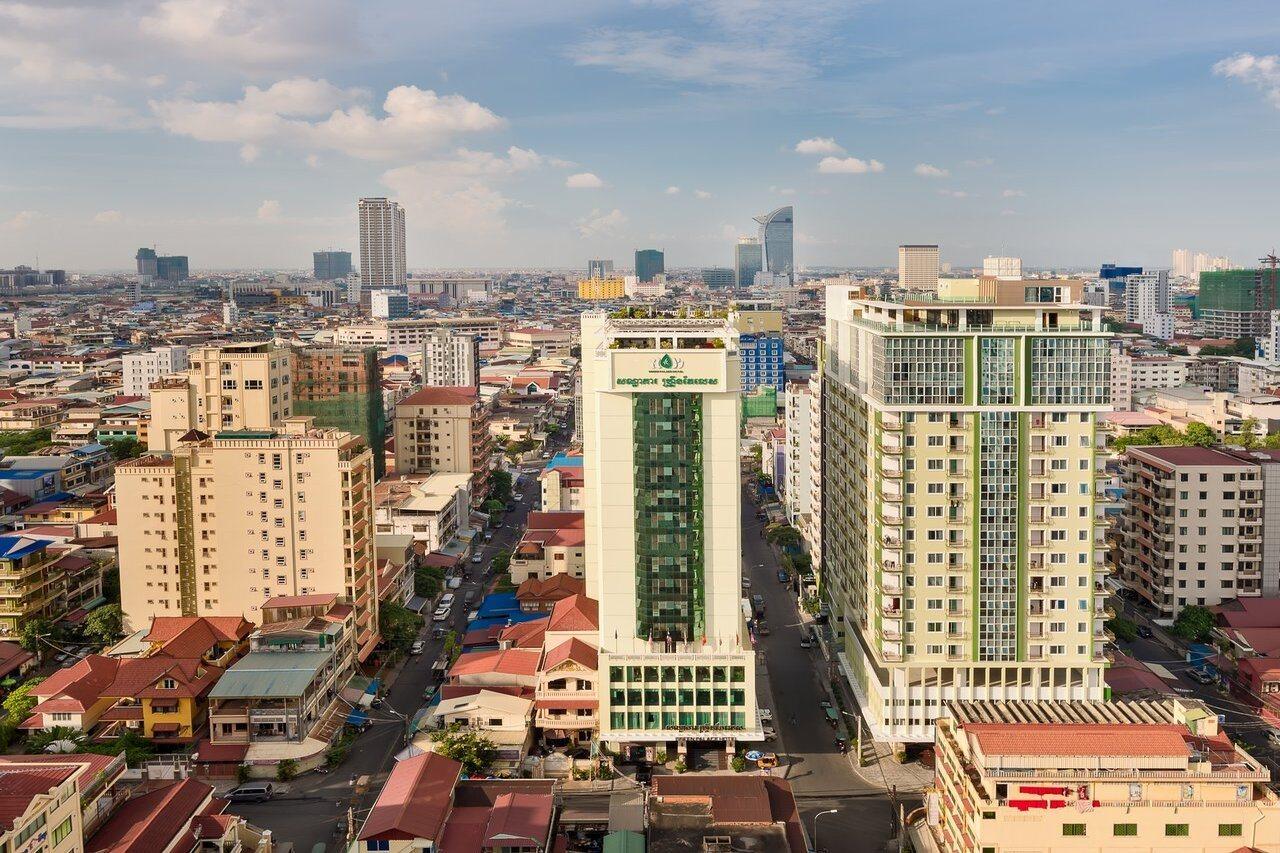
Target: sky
(540,134)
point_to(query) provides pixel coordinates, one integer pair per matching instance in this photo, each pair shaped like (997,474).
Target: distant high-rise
(1182,263)
(777,236)
(1238,303)
(918,268)
(1002,267)
(1108,271)
(327,266)
(388,305)
(451,359)
(1201,263)
(382,265)
(1146,295)
(146,259)
(748,259)
(162,267)
(718,278)
(649,262)
(600,268)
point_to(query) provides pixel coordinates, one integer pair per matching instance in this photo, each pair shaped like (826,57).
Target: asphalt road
(310,811)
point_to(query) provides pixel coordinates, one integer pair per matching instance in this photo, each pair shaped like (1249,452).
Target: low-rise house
(553,543)
(742,812)
(503,667)
(26,415)
(567,704)
(505,720)
(41,809)
(433,508)
(563,485)
(575,617)
(538,596)
(181,816)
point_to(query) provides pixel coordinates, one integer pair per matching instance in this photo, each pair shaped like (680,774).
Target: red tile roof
(525,635)
(443,395)
(575,613)
(224,628)
(575,650)
(75,688)
(556,520)
(152,821)
(555,587)
(12,657)
(505,662)
(415,799)
(92,763)
(567,704)
(516,817)
(1079,739)
(20,786)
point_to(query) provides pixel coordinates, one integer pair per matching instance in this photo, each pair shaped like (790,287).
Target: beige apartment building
(1043,777)
(1193,527)
(225,387)
(227,522)
(553,543)
(444,430)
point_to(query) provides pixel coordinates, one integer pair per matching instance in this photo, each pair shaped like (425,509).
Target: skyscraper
(962,547)
(661,414)
(1182,263)
(777,237)
(918,268)
(718,278)
(147,264)
(450,358)
(382,265)
(1147,294)
(748,259)
(649,262)
(327,265)
(600,268)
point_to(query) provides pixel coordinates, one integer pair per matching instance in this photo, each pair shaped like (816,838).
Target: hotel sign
(683,370)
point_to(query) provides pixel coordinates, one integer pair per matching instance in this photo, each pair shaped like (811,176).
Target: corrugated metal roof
(269,675)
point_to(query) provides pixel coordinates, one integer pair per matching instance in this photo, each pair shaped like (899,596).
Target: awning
(416,603)
(166,728)
(567,704)
(208,752)
(357,718)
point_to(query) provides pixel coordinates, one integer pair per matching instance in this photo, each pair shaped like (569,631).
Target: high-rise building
(1002,267)
(341,388)
(382,264)
(225,387)
(1219,263)
(761,353)
(446,431)
(329,265)
(1147,294)
(798,493)
(229,521)
(664,531)
(1110,271)
(140,369)
(388,305)
(777,236)
(1238,303)
(918,268)
(600,268)
(718,278)
(602,288)
(147,264)
(1201,263)
(962,550)
(171,268)
(748,259)
(649,262)
(451,359)
(1182,263)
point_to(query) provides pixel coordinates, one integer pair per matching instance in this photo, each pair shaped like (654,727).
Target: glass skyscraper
(330,265)
(649,262)
(777,237)
(748,259)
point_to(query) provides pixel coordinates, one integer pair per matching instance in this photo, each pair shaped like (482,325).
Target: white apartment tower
(382,265)
(918,268)
(1002,267)
(140,369)
(798,491)
(451,358)
(962,550)
(1182,263)
(1147,294)
(661,417)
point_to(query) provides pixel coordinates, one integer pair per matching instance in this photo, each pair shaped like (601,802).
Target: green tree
(111,585)
(1245,347)
(124,448)
(286,770)
(104,625)
(1272,441)
(25,442)
(1249,433)
(427,581)
(38,741)
(472,750)
(493,506)
(500,485)
(18,704)
(399,626)
(1200,435)
(501,561)
(1124,629)
(782,535)
(1193,623)
(33,633)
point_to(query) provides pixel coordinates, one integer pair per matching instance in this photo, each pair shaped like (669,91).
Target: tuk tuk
(768,761)
(832,715)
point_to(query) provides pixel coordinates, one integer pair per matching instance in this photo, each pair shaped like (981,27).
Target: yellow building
(756,317)
(42,808)
(1036,777)
(602,288)
(38,583)
(227,522)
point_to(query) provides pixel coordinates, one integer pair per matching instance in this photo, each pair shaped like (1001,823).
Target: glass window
(1177,830)
(1125,829)
(1074,829)
(1230,830)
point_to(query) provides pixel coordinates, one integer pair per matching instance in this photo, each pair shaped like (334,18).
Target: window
(63,829)
(377,844)
(1177,830)
(1073,829)
(1125,829)
(1225,830)
(168,684)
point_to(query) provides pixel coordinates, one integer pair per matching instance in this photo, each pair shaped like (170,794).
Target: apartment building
(553,543)
(811,527)
(41,580)
(431,508)
(409,335)
(140,369)
(918,268)
(382,259)
(961,546)
(797,489)
(451,358)
(1062,776)
(225,387)
(602,288)
(1146,294)
(229,521)
(444,430)
(1194,528)
(662,415)
(341,387)
(1131,374)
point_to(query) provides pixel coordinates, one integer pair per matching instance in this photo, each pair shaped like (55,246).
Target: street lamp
(815,827)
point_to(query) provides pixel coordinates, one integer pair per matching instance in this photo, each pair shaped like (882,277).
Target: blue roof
(498,603)
(92,447)
(17,547)
(506,619)
(26,473)
(563,460)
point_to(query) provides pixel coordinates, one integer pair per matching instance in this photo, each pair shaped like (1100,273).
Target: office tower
(777,237)
(147,263)
(1238,303)
(1207,507)
(961,548)
(382,264)
(1182,264)
(451,359)
(328,265)
(600,268)
(918,268)
(341,388)
(602,288)
(1145,295)
(227,522)
(1109,271)
(225,387)
(760,348)
(649,262)
(718,278)
(388,305)
(748,259)
(140,369)
(1201,263)
(444,430)
(1001,267)
(664,531)
(172,268)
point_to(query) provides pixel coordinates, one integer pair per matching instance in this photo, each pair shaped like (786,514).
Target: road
(310,811)
(820,776)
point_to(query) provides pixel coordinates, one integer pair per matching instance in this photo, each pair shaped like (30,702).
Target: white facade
(388,305)
(918,268)
(1158,326)
(1131,374)
(1201,263)
(451,358)
(382,264)
(1269,346)
(1002,267)
(653,289)
(798,489)
(140,369)
(1182,267)
(230,313)
(1147,294)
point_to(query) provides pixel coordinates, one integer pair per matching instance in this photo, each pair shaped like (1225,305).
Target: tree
(124,448)
(1199,435)
(1196,434)
(18,704)
(1245,347)
(39,741)
(32,634)
(782,535)
(1124,629)
(1272,441)
(25,442)
(399,626)
(427,580)
(493,506)
(472,750)
(1249,433)
(501,561)
(104,625)
(1193,623)
(500,485)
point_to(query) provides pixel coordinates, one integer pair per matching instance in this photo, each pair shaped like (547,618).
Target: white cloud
(108,217)
(21,220)
(1012,194)
(677,59)
(953,193)
(269,211)
(288,114)
(249,152)
(252,33)
(818,145)
(927,170)
(583,181)
(701,195)
(978,163)
(848,166)
(1261,72)
(600,223)
(41,65)
(672,191)
(67,113)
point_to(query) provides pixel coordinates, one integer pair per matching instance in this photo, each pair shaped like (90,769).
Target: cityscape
(610,497)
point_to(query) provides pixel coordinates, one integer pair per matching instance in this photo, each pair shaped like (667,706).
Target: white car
(517,496)
(765,715)
(441,614)
(417,647)
(446,600)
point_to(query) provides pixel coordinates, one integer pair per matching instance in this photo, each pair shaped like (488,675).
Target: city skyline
(240,133)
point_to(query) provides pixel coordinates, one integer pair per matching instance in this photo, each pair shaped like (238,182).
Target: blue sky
(241,132)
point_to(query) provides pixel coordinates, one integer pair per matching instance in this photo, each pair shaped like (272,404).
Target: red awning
(166,728)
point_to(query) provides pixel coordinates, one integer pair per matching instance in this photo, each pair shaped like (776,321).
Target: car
(1274,737)
(488,537)
(1200,675)
(518,496)
(758,600)
(783,577)
(446,600)
(746,583)
(1144,632)
(455,582)
(437,633)
(441,614)
(805,642)
(477,558)
(765,714)
(762,628)
(251,792)
(417,647)
(769,731)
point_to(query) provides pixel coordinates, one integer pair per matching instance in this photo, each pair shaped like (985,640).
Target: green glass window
(650,673)
(686,674)
(668,696)
(651,720)
(704,674)
(617,697)
(669,719)
(635,719)
(615,674)
(719,697)
(618,719)
(686,718)
(635,697)
(704,718)
(1125,829)
(61,831)
(720,674)
(1073,829)
(1177,830)
(720,718)
(650,696)
(738,719)
(668,674)
(634,673)
(686,695)
(737,673)
(704,697)
(737,698)
(1230,830)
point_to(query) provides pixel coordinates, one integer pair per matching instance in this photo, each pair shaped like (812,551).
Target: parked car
(469,597)
(519,497)
(417,647)
(1144,632)
(1200,675)
(765,714)
(446,600)
(769,731)
(805,642)
(762,628)
(251,792)
(783,577)
(441,614)
(437,633)
(477,558)
(768,761)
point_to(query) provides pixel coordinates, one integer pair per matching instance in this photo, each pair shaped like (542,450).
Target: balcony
(890,513)
(890,468)
(891,444)
(891,422)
